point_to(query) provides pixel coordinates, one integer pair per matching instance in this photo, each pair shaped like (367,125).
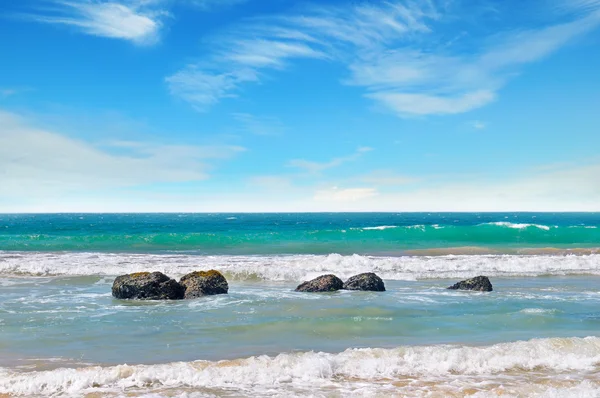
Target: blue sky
(258,105)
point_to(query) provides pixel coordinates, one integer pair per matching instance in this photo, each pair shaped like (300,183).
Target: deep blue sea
(536,334)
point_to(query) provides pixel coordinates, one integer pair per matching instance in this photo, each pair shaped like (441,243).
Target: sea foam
(310,371)
(298,267)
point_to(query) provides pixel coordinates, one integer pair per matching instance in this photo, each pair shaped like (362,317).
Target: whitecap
(518,225)
(380,228)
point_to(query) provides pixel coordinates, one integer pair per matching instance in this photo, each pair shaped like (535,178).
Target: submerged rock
(366,282)
(324,283)
(479,283)
(147,286)
(204,283)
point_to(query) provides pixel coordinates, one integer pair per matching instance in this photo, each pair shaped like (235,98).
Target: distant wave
(299,267)
(518,226)
(380,228)
(527,368)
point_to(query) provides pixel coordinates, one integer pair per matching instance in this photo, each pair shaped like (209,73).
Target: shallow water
(76,319)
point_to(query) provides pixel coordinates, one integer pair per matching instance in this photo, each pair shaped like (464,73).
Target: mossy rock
(139,275)
(479,284)
(147,286)
(324,283)
(204,283)
(365,282)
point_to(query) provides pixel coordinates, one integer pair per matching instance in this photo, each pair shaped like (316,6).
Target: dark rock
(479,283)
(147,286)
(324,283)
(204,283)
(367,282)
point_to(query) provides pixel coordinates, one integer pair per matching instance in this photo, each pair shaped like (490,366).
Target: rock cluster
(331,283)
(158,286)
(479,283)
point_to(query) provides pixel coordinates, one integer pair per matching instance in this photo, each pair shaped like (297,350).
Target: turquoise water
(343,233)
(62,334)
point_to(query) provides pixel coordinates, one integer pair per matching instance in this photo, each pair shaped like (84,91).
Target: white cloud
(317,167)
(138,21)
(36,162)
(553,188)
(323,33)
(576,188)
(423,82)
(423,104)
(396,51)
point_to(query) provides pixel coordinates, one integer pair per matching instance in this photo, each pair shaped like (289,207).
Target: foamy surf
(298,267)
(544,363)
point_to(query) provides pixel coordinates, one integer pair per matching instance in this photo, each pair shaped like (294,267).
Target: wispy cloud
(317,167)
(38,161)
(244,55)
(210,4)
(578,5)
(139,21)
(203,89)
(398,52)
(7,92)
(268,126)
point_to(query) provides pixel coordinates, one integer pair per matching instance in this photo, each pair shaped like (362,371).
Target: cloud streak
(398,52)
(312,167)
(265,126)
(36,162)
(138,21)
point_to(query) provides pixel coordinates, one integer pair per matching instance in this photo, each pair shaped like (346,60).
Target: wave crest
(312,370)
(299,267)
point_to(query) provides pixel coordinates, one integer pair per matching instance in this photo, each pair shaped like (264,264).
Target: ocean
(535,335)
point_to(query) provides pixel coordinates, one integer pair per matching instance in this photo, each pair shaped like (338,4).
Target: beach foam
(298,267)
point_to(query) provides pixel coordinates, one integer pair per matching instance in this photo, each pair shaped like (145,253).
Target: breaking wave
(542,361)
(298,267)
